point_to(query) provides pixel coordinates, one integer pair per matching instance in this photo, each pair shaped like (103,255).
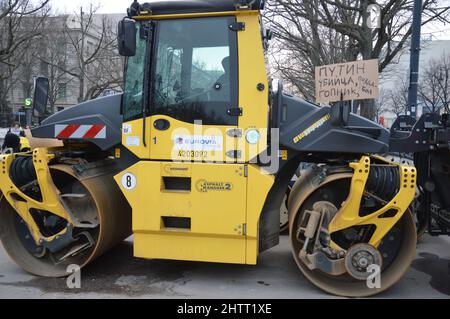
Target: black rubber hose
(22,171)
(383,182)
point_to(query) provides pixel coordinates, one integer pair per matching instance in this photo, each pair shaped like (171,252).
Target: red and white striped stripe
(78,131)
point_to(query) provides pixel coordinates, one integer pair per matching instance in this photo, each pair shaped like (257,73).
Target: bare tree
(98,65)
(434,87)
(302,44)
(107,71)
(21,22)
(397,97)
(381,103)
(22,78)
(53,58)
(347,21)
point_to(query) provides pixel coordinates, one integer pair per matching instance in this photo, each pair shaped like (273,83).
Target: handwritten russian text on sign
(354,80)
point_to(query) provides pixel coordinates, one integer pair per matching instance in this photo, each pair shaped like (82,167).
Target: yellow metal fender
(23,203)
(348,214)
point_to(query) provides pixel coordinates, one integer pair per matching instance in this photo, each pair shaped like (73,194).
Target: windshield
(195,74)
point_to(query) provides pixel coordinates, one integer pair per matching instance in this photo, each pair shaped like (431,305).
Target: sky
(439,31)
(105,6)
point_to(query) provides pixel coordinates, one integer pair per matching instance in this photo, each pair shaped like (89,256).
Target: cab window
(134,80)
(195,73)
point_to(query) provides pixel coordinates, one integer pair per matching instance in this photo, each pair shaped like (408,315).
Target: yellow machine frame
(23,204)
(348,214)
(224,222)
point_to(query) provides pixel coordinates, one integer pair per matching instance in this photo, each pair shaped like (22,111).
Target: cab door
(194,93)
(135,132)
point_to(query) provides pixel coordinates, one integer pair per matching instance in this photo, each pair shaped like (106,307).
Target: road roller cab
(197,155)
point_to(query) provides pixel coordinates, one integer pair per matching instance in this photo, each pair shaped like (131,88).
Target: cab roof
(161,7)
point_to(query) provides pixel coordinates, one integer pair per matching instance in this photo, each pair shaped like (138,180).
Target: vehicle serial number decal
(193,154)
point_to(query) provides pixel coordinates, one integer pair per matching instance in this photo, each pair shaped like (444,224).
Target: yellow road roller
(195,157)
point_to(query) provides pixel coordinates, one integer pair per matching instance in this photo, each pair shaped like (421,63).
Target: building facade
(398,72)
(78,54)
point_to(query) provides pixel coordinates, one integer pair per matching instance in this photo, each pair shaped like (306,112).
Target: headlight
(252,136)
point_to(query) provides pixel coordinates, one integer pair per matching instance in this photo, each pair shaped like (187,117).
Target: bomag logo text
(311,129)
(170,169)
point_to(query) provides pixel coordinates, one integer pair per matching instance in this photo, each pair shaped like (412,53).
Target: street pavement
(118,274)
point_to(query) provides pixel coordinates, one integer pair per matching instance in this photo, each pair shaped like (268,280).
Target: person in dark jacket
(12,141)
(12,138)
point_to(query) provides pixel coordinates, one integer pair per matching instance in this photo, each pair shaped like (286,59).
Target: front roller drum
(95,199)
(394,254)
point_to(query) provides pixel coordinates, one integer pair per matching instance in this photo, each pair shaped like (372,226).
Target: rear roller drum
(345,273)
(103,220)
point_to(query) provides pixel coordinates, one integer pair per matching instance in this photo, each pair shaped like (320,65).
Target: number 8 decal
(129,181)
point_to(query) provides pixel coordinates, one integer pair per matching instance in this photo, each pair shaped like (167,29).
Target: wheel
(394,254)
(104,221)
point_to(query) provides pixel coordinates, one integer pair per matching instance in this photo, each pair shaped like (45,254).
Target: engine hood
(97,121)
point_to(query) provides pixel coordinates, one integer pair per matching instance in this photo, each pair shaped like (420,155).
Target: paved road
(119,275)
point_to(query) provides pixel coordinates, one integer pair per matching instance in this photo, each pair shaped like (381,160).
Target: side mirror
(340,113)
(127,37)
(41,88)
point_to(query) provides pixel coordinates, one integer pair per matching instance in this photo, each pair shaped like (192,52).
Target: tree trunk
(81,58)
(81,88)
(367,106)
(5,112)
